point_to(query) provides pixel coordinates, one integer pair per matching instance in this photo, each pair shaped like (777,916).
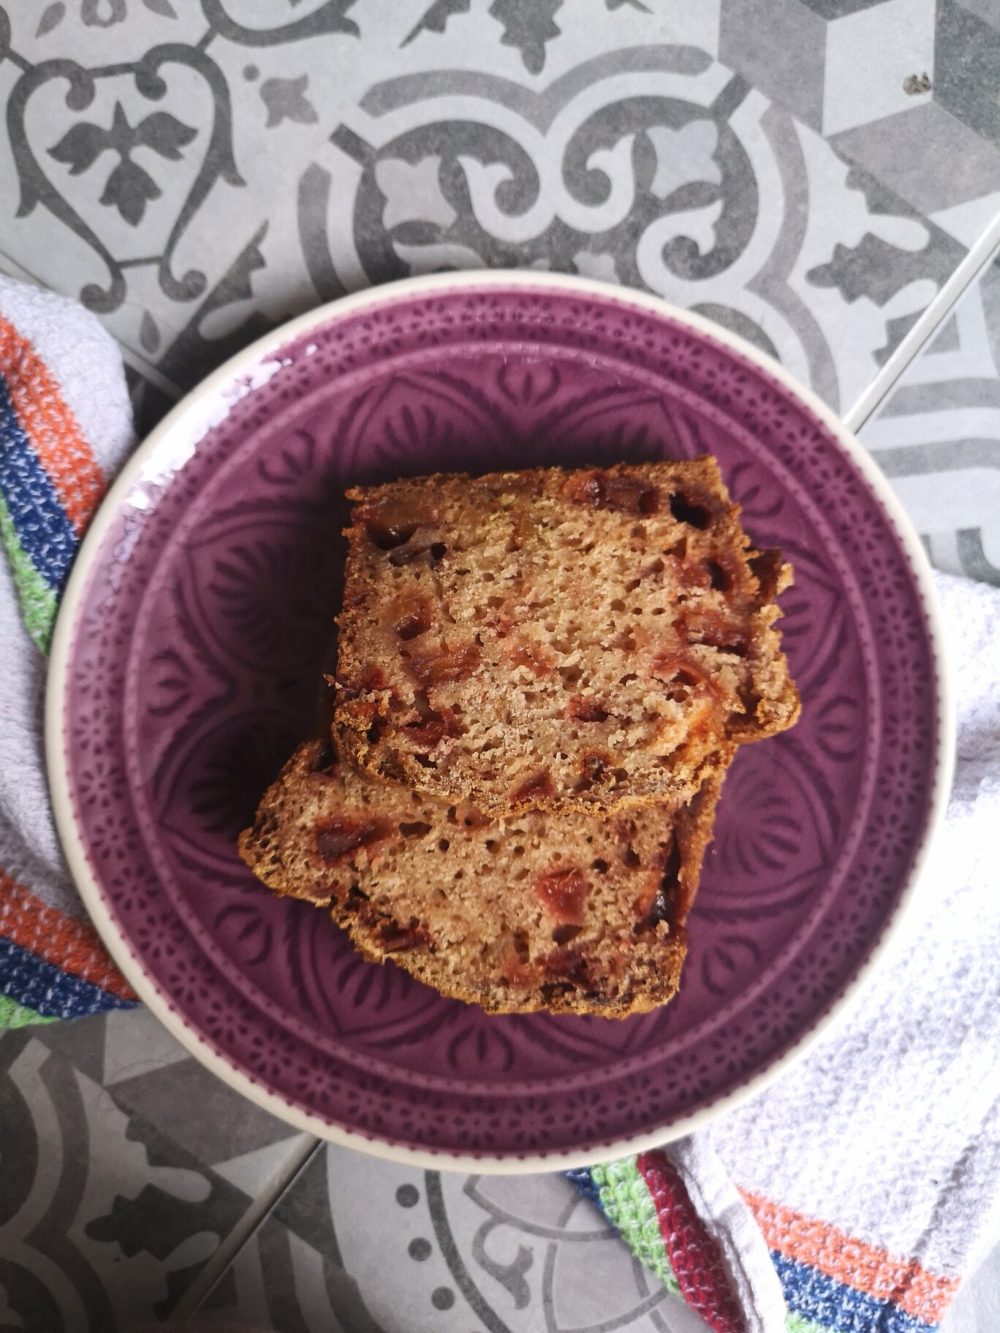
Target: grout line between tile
(965,274)
(14,269)
(146,368)
(234,1241)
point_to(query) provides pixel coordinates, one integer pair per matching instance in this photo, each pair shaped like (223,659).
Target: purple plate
(190,647)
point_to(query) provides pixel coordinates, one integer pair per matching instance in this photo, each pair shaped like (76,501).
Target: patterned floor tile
(149,1074)
(206,177)
(290,1274)
(887,149)
(124,1165)
(834,63)
(837,9)
(707,194)
(968,64)
(441,1251)
(871,55)
(780,47)
(937,438)
(904,88)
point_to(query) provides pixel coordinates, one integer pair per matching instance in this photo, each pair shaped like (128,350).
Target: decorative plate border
(200,406)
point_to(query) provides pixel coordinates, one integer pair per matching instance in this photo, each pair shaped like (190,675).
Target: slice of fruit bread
(565,913)
(559,640)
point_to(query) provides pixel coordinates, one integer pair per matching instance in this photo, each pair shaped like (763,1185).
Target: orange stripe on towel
(66,943)
(52,430)
(857,1264)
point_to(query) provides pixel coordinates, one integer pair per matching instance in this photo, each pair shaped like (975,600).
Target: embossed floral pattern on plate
(199,643)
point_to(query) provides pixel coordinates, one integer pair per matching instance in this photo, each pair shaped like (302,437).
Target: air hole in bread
(325,757)
(718,578)
(686,511)
(416,829)
(750,700)
(586,709)
(411,554)
(563,934)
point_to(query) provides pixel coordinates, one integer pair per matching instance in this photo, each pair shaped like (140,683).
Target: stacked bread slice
(542,679)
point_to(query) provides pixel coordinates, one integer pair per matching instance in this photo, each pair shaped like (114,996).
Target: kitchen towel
(65,426)
(848,1198)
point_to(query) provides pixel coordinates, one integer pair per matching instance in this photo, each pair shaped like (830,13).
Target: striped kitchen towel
(65,425)
(800,1274)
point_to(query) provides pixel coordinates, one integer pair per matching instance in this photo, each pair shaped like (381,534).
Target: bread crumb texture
(567,913)
(568,641)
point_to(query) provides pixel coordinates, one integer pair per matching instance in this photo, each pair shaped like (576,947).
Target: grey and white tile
(124,1165)
(967,69)
(836,64)
(198,174)
(290,1274)
(659,169)
(937,437)
(904,88)
(116,1193)
(361,1244)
